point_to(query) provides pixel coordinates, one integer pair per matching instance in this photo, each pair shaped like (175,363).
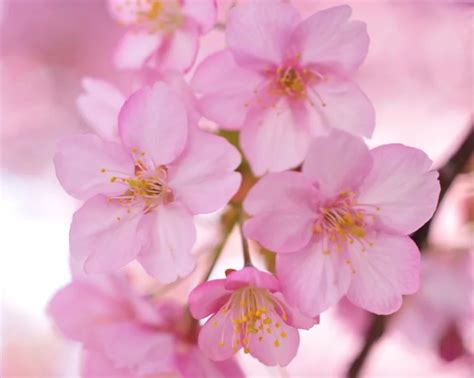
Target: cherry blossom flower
(249,312)
(162,33)
(339,226)
(282,80)
(142,191)
(128,335)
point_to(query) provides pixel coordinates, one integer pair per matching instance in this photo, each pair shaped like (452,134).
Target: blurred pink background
(419,75)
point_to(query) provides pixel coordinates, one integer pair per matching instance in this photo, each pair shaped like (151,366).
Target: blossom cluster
(299,175)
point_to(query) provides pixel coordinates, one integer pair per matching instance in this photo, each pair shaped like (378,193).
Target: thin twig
(447,174)
(245,243)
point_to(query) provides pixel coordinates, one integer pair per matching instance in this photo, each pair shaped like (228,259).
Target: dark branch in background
(447,174)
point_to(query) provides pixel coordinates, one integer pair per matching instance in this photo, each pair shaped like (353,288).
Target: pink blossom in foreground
(142,191)
(162,33)
(128,335)
(282,80)
(248,311)
(340,226)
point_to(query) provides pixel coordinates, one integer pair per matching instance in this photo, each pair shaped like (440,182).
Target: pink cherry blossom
(339,226)
(142,190)
(128,335)
(283,80)
(249,312)
(162,33)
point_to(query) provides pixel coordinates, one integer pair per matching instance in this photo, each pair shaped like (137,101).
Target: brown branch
(447,174)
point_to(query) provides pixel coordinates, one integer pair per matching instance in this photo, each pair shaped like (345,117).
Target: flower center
(152,15)
(254,312)
(292,82)
(147,187)
(343,221)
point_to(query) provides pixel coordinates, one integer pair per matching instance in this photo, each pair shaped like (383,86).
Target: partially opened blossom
(283,80)
(161,33)
(143,189)
(125,334)
(248,311)
(340,226)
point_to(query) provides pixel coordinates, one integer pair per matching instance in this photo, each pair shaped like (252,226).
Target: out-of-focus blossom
(249,312)
(128,335)
(339,227)
(143,190)
(439,315)
(163,34)
(283,80)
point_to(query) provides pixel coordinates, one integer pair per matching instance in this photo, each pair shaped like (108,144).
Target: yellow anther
(103,170)
(221,343)
(246,350)
(277,343)
(113,179)
(277,325)
(269,330)
(267,321)
(245,341)
(283,334)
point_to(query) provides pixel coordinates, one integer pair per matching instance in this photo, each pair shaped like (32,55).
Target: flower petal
(104,236)
(273,141)
(83,163)
(276,348)
(166,254)
(140,349)
(96,364)
(226,89)
(311,280)
(340,104)
(203,177)
(294,317)
(135,49)
(329,40)
(98,300)
(100,106)
(250,276)
(337,162)
(216,336)
(208,298)
(203,12)
(402,185)
(259,33)
(388,269)
(178,51)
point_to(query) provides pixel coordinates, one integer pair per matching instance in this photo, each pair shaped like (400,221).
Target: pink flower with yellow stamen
(340,226)
(249,313)
(162,33)
(283,80)
(143,187)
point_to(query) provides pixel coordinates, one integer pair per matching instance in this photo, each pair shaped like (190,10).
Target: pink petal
(328,39)
(203,12)
(166,254)
(250,276)
(226,89)
(281,192)
(259,33)
(312,280)
(337,162)
(402,186)
(345,107)
(100,106)
(98,304)
(282,205)
(80,161)
(140,349)
(280,232)
(96,364)
(194,364)
(383,273)
(295,318)
(215,337)
(135,49)
(178,51)
(203,178)
(104,235)
(208,298)
(266,349)
(273,141)
(153,120)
